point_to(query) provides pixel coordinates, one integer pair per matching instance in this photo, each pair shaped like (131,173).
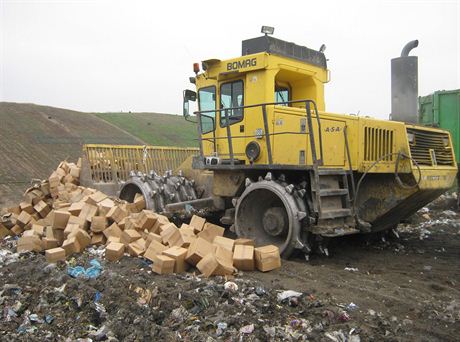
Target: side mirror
(189,95)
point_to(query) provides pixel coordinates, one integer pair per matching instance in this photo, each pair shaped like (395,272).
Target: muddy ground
(404,289)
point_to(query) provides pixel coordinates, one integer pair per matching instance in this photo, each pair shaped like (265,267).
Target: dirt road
(404,289)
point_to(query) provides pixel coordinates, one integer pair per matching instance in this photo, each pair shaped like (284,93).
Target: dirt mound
(35,138)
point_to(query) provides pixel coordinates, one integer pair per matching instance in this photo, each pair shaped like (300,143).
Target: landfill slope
(399,289)
(33,139)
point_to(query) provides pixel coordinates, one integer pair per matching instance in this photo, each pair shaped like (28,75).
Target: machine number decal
(333,129)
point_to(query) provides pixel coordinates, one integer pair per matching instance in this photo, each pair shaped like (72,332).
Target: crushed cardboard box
(60,218)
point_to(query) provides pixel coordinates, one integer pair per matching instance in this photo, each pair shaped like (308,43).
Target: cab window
(231,95)
(207,101)
(281,95)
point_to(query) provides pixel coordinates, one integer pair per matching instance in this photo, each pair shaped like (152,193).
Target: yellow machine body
(368,139)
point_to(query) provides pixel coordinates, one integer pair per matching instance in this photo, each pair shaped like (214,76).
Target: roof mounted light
(267,30)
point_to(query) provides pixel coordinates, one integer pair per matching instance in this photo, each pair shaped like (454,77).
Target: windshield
(207,101)
(231,95)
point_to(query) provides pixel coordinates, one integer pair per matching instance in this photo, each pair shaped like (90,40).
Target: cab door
(231,95)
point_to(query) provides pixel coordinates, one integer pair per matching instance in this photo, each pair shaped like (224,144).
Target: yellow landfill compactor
(275,166)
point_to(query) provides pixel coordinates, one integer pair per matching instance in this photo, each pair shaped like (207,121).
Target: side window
(281,95)
(207,101)
(231,95)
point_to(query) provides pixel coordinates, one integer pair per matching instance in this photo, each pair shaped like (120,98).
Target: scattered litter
(247,329)
(351,269)
(230,286)
(91,272)
(352,306)
(288,294)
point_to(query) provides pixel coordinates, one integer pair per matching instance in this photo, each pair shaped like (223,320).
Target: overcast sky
(137,55)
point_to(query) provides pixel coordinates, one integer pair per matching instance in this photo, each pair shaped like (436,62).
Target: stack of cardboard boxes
(61,218)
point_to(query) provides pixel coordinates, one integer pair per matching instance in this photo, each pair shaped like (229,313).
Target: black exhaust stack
(404,86)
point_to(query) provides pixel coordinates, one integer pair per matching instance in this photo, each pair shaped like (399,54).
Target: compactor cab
(253,106)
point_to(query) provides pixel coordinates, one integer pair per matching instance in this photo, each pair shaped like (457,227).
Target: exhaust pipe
(404,86)
(408,47)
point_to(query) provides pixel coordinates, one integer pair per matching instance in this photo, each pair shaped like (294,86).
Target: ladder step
(333,192)
(334,213)
(331,172)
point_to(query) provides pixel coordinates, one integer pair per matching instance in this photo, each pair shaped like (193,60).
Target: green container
(442,109)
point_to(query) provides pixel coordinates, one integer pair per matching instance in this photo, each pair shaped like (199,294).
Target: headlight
(411,138)
(252,151)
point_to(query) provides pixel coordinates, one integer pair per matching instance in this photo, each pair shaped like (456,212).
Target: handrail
(316,161)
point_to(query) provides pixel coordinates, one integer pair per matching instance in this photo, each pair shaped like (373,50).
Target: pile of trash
(43,301)
(61,218)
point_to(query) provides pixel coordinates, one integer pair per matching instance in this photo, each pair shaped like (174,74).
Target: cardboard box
(267,258)
(113,230)
(30,232)
(4,231)
(60,219)
(245,242)
(70,228)
(88,211)
(197,223)
(167,230)
(172,236)
(139,202)
(71,246)
(23,219)
(243,257)
(188,234)
(178,254)
(152,237)
(97,197)
(146,219)
(161,221)
(137,247)
(83,239)
(225,257)
(42,209)
(55,254)
(163,264)
(224,242)
(122,223)
(39,229)
(59,235)
(197,250)
(114,251)
(16,230)
(129,236)
(49,243)
(98,224)
(27,207)
(29,243)
(210,265)
(116,214)
(54,180)
(74,171)
(210,231)
(80,221)
(76,208)
(154,248)
(105,206)
(97,239)
(113,239)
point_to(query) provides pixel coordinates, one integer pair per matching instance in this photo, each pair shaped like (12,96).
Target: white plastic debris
(351,269)
(230,286)
(247,329)
(288,294)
